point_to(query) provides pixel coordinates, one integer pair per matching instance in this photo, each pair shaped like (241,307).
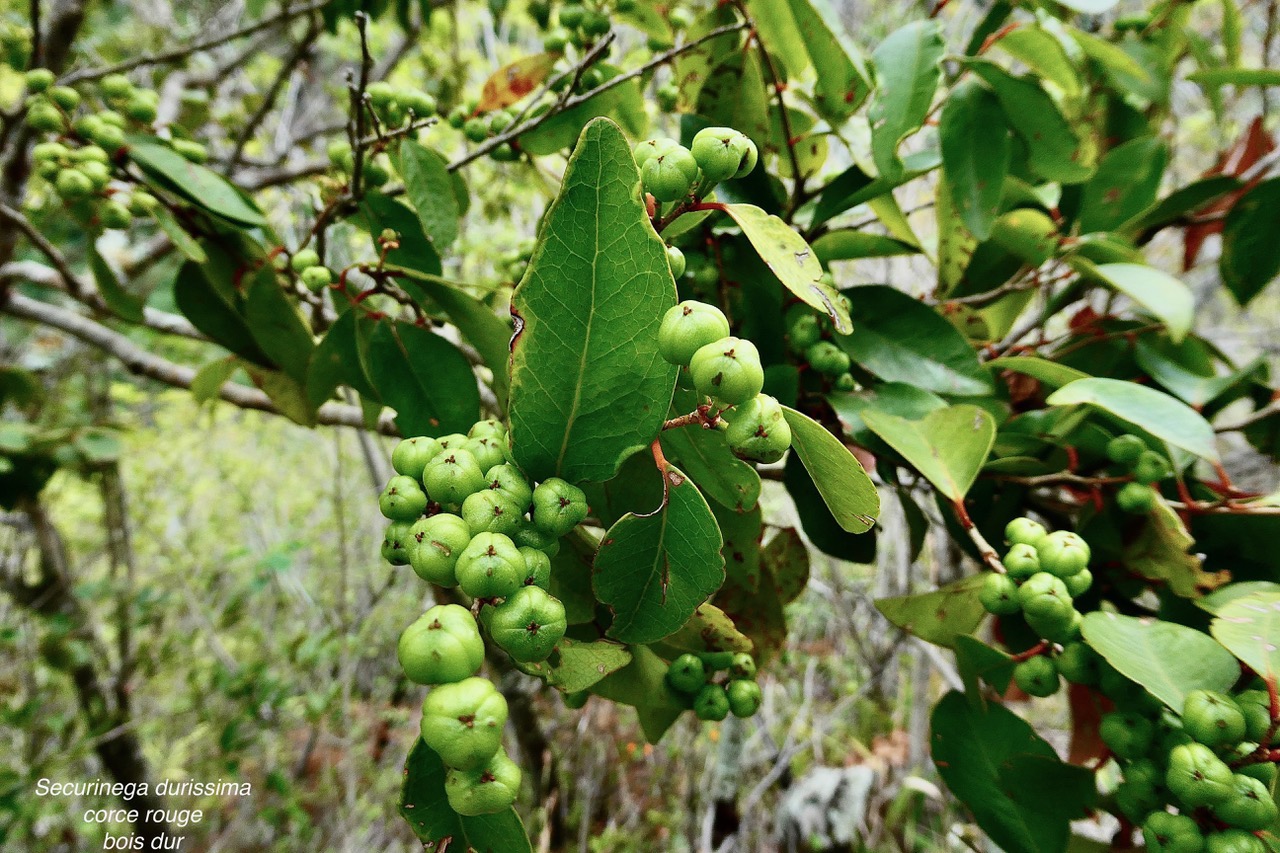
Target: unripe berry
(743,665)
(744,697)
(418,102)
(402,499)
(1078,663)
(491,511)
(411,456)
(476,129)
(1255,705)
(452,475)
(45,118)
(804,332)
(435,544)
(488,452)
(1172,833)
(537,567)
(528,624)
(571,15)
(73,184)
(488,428)
(675,260)
(558,506)
(680,18)
(720,151)
(1136,498)
(758,431)
(486,790)
(113,214)
(827,358)
(1024,531)
(1197,777)
(1234,841)
(1063,553)
(556,40)
(999,595)
(99,174)
(687,673)
(1249,807)
(190,150)
(507,481)
(304,258)
(39,79)
(442,646)
(65,97)
(1022,561)
(108,136)
(728,370)
(1213,719)
(688,327)
(141,109)
(116,86)
(1126,734)
(711,703)
(316,278)
(396,543)
(1037,676)
(670,175)
(490,567)
(463,721)
(1125,449)
(381,93)
(1151,467)
(595,23)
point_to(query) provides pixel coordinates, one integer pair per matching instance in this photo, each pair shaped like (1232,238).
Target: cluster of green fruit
(314,275)
(726,369)
(374,168)
(477,127)
(691,676)
(1205,763)
(50,109)
(808,336)
(1147,467)
(398,105)
(580,25)
(670,172)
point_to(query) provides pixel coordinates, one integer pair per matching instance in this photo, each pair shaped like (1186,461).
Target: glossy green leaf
(741,533)
(1156,412)
(1125,184)
(901,339)
(948,446)
(1183,201)
(907,68)
(785,560)
(1048,372)
(577,665)
(976,149)
(428,185)
(1220,598)
(938,616)
(588,387)
(126,305)
(1020,793)
(841,85)
(424,378)
(956,243)
(187,245)
(976,660)
(1043,53)
(654,570)
(1249,627)
(1250,252)
(1053,150)
(197,184)
(1168,659)
(846,244)
(1122,68)
(288,394)
(379,213)
(819,525)
(1190,385)
(338,360)
(704,455)
(208,309)
(734,95)
(841,480)
(1165,297)
(791,259)
(276,325)
(424,806)
(1236,76)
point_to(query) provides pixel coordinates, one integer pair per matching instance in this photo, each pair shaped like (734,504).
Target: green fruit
(1125,449)
(457,117)
(453,441)
(1250,805)
(341,155)
(411,456)
(115,86)
(436,543)
(1136,498)
(1022,561)
(396,543)
(486,790)
(45,117)
(476,129)
(558,506)
(1036,676)
(675,260)
(1063,553)
(720,152)
(556,40)
(141,109)
(1126,734)
(531,536)
(528,624)
(1197,777)
(1213,719)
(65,97)
(488,428)
(499,121)
(667,97)
(650,148)
(1151,467)
(1079,583)
(1136,800)
(316,278)
(112,118)
(1054,625)
(1027,234)
(375,174)
(463,721)
(38,79)
(743,666)
(571,15)
(845,382)
(744,697)
(490,567)
(507,481)
(417,102)
(442,646)
(1256,707)
(827,358)
(1172,833)
(1078,663)
(804,332)
(688,327)
(402,499)
(1044,595)
(452,475)
(999,595)
(749,159)
(73,184)
(142,203)
(488,451)
(680,18)
(670,175)
(1234,841)
(98,174)
(302,259)
(381,93)
(687,674)
(50,151)
(113,214)
(491,511)
(537,566)
(711,703)
(758,431)
(1024,531)
(595,23)
(108,136)
(728,370)
(192,151)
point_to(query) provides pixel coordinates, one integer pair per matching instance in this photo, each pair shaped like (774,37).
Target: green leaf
(643,685)
(1250,629)
(424,806)
(1043,53)
(1049,372)
(588,387)
(786,560)
(1180,202)
(126,305)
(907,74)
(206,305)
(976,149)
(288,394)
(841,85)
(843,483)
(577,665)
(183,241)
(948,446)
(208,381)
(956,244)
(1160,552)
(1168,659)
(757,613)
(941,615)
(560,131)
(853,187)
(741,533)
(571,576)
(98,445)
(901,339)
(338,360)
(846,244)
(379,212)
(1250,257)
(709,630)
(429,186)
(1220,598)
(201,186)
(654,570)
(424,378)
(1009,777)
(791,259)
(1236,76)
(704,455)
(734,95)
(1054,151)
(1154,411)
(1165,297)
(1195,387)
(276,325)
(1125,184)
(976,660)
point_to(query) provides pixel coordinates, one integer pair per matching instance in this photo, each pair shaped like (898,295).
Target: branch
(140,362)
(287,69)
(1259,415)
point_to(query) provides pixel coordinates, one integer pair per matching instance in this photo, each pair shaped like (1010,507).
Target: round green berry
(687,674)
(1036,676)
(38,80)
(1250,805)
(744,697)
(537,567)
(758,431)
(1213,718)
(491,566)
(1022,561)
(670,175)
(488,451)
(1024,531)
(999,595)
(1126,734)
(1172,833)
(1136,498)
(720,152)
(316,279)
(506,480)
(115,86)
(827,358)
(1198,777)
(435,544)
(402,499)
(688,327)
(45,117)
(1151,467)
(1255,705)
(452,475)
(442,646)
(1078,663)
(491,511)
(1063,553)
(728,370)
(711,703)
(650,148)
(743,665)
(396,543)
(675,260)
(558,506)
(190,150)
(73,184)
(463,721)
(485,790)
(113,214)
(1125,449)
(528,624)
(1079,583)
(304,258)
(411,456)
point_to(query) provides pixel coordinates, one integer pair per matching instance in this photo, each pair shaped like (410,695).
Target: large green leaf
(424,806)
(429,186)
(948,446)
(214,310)
(704,454)
(939,616)
(1180,202)
(1049,372)
(1046,55)
(1168,659)
(576,665)
(1250,629)
(1250,252)
(1165,297)
(976,149)
(1125,184)
(847,244)
(907,74)
(198,185)
(1020,793)
(1159,414)
(1053,149)
(424,378)
(339,360)
(841,84)
(841,480)
(1161,551)
(126,305)
(654,570)
(902,340)
(791,259)
(588,387)
(276,325)
(379,212)
(643,685)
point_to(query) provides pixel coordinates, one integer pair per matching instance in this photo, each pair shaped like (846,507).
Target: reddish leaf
(1255,144)
(513,81)
(1086,716)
